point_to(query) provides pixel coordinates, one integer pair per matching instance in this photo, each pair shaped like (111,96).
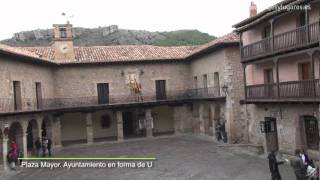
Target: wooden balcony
(299,38)
(306,90)
(7,105)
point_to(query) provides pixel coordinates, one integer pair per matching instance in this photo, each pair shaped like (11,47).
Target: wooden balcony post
(307,24)
(272,34)
(276,64)
(311,54)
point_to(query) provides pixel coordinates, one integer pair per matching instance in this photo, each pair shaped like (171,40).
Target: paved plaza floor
(179,158)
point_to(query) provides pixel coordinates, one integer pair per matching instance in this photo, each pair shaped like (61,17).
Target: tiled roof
(119,53)
(228,38)
(21,52)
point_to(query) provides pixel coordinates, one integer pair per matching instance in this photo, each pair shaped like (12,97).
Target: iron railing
(7,105)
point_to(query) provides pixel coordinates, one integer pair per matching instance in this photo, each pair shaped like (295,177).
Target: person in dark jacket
(37,144)
(49,146)
(273,165)
(298,166)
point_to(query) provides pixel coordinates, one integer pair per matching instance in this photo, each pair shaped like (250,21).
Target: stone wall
(81,81)
(287,116)
(28,74)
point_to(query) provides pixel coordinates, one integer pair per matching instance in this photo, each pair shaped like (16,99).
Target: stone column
(149,121)
(5,152)
(119,126)
(177,120)
(213,120)
(89,128)
(56,133)
(24,143)
(201,119)
(39,130)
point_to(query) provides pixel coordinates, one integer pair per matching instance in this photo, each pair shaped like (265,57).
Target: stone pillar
(56,133)
(5,152)
(201,119)
(24,143)
(213,120)
(89,128)
(39,130)
(177,123)
(119,126)
(149,121)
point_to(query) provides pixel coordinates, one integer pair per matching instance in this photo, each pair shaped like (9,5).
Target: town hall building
(78,95)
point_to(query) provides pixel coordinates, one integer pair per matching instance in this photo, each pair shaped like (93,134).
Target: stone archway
(16,134)
(46,128)
(32,134)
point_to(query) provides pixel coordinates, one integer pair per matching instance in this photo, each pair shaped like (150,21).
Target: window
(268,76)
(302,19)
(305,71)
(105,121)
(205,81)
(266,32)
(63,32)
(38,95)
(161,90)
(195,82)
(17,95)
(103,93)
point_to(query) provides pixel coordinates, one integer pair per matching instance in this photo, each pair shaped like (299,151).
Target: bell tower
(63,42)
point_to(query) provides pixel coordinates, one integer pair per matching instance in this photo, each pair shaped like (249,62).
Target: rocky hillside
(112,35)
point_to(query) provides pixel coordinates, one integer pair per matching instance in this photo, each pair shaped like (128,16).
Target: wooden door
(216,84)
(103,93)
(39,95)
(271,134)
(17,95)
(205,84)
(306,86)
(269,83)
(312,132)
(161,90)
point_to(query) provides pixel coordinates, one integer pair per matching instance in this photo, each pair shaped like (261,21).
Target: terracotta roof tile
(22,52)
(228,38)
(119,53)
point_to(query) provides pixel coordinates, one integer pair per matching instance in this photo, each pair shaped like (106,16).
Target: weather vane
(67,17)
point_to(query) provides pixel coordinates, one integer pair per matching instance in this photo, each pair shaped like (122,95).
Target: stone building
(280,57)
(89,94)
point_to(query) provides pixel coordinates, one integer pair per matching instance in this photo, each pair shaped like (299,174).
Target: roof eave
(30,58)
(212,48)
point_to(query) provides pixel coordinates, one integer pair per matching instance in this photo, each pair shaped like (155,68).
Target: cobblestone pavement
(179,158)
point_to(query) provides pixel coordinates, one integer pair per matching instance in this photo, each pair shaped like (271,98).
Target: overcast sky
(211,16)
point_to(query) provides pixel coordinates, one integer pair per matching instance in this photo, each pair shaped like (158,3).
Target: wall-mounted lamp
(141,72)
(122,72)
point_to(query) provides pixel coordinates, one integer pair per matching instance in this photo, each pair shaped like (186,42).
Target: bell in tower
(63,42)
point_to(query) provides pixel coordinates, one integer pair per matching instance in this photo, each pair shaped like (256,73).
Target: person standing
(49,146)
(298,166)
(13,155)
(44,146)
(37,144)
(273,166)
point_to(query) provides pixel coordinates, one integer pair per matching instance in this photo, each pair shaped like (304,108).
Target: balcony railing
(297,38)
(306,89)
(7,105)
